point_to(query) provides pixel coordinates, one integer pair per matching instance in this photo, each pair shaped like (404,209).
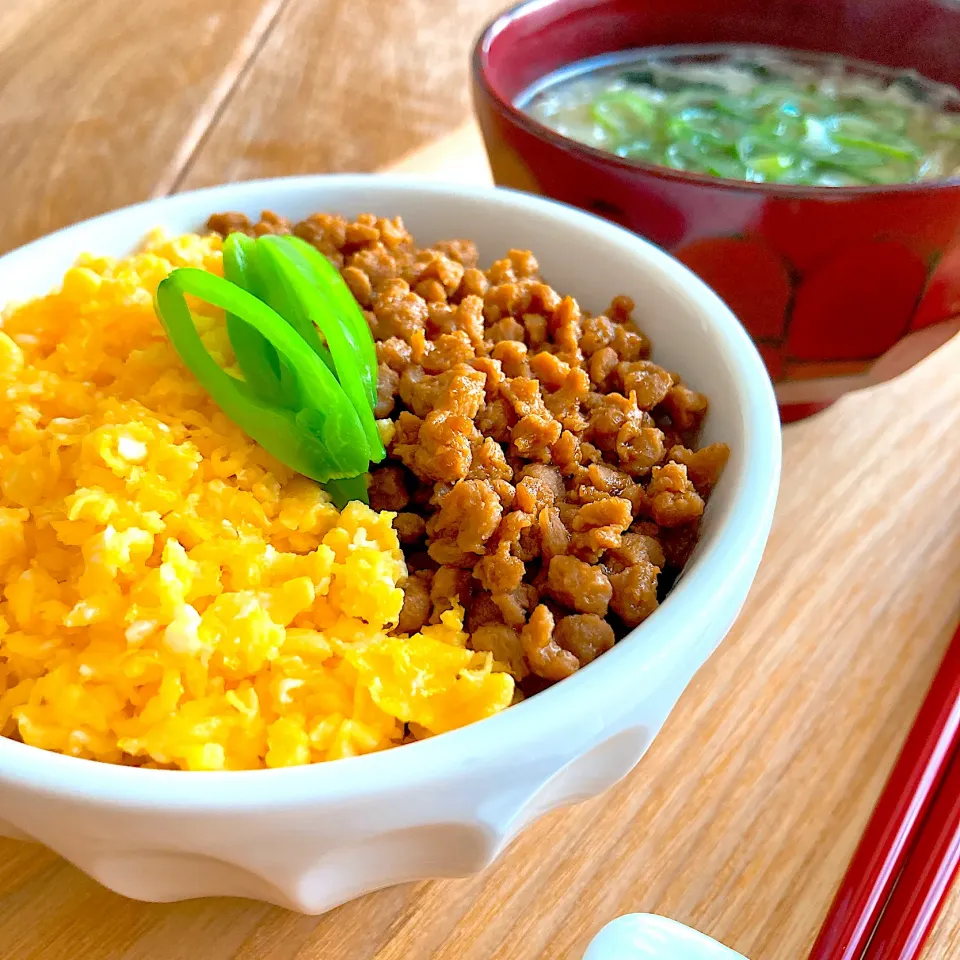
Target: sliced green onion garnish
(897,150)
(324,439)
(338,294)
(623,111)
(294,272)
(277,294)
(255,356)
(772,165)
(305,351)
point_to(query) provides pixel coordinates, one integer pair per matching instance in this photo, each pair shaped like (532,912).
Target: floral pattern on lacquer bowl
(828,321)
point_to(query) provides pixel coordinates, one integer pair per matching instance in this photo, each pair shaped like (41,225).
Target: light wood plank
(102,101)
(457,157)
(14,16)
(345,85)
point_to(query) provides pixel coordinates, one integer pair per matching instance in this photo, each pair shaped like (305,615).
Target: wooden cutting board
(742,817)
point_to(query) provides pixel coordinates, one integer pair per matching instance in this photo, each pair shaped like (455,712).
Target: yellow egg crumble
(171,595)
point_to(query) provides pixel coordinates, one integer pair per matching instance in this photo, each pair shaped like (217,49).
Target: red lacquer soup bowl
(839,287)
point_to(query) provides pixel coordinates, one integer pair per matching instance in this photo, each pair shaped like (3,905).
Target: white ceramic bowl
(310,838)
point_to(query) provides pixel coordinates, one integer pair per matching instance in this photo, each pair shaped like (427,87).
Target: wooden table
(742,817)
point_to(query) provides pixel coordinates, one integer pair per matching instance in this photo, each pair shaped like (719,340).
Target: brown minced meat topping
(544,471)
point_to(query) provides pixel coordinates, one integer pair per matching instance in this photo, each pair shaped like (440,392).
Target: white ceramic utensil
(644,936)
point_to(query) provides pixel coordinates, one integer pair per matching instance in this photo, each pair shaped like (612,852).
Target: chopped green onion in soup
(757,114)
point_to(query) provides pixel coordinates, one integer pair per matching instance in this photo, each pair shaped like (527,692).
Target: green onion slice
(294,275)
(340,297)
(304,348)
(255,356)
(323,439)
(276,293)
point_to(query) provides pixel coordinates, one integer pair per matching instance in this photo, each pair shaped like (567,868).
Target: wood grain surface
(344,85)
(107,102)
(101,100)
(742,817)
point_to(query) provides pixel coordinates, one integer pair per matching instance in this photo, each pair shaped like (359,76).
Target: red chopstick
(925,879)
(896,819)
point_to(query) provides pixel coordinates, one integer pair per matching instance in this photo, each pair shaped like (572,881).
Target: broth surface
(757,114)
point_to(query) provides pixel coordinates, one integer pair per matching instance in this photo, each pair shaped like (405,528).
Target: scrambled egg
(171,595)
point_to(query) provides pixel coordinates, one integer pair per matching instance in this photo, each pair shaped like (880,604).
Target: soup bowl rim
(532,126)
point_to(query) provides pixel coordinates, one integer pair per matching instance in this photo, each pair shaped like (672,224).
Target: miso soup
(758,114)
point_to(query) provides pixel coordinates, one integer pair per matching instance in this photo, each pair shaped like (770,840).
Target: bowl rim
(686,611)
(480,68)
